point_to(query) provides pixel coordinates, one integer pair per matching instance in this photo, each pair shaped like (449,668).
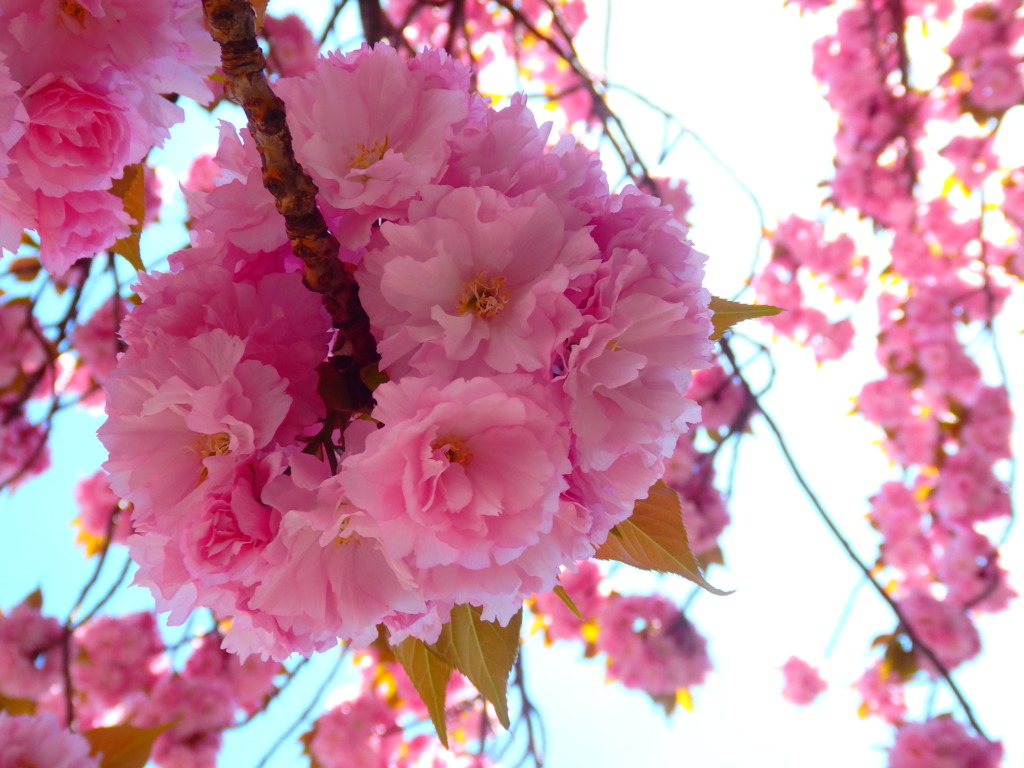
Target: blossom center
(483,296)
(368,154)
(453,448)
(212,445)
(75,11)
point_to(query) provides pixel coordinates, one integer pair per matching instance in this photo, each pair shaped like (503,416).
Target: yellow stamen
(454,449)
(484,296)
(75,11)
(369,154)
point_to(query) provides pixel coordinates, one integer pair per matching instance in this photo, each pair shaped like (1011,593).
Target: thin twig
(328,679)
(848,548)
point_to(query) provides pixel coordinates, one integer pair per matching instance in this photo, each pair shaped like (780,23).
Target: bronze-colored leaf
(564,597)
(429,673)
(654,538)
(131,189)
(123,746)
(484,651)
(17,706)
(728,313)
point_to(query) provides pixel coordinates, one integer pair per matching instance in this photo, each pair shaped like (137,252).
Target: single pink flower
(463,483)
(371,129)
(41,742)
(76,225)
(475,287)
(191,412)
(802,682)
(651,645)
(942,743)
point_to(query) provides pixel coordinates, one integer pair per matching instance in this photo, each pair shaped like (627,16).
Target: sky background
(738,75)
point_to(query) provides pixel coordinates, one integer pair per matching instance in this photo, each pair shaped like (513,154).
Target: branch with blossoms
(491,313)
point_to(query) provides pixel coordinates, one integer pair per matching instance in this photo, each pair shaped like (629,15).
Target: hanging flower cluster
(536,337)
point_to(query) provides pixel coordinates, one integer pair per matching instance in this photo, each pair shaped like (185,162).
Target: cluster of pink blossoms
(648,643)
(370,725)
(480,32)
(119,671)
(801,252)
(80,99)
(802,682)
(537,334)
(945,427)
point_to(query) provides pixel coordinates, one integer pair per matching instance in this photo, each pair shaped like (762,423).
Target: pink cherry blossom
(358,733)
(12,116)
(943,627)
(371,129)
(349,584)
(117,657)
(31,652)
(478,287)
(23,450)
(190,413)
(100,512)
(41,742)
(250,682)
(651,645)
(463,483)
(802,682)
(942,741)
(293,51)
(583,588)
(882,692)
(198,710)
(75,138)
(77,225)
(673,193)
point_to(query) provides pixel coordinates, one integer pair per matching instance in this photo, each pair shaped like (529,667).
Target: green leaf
(654,539)
(564,596)
(17,706)
(131,190)
(123,746)
(429,673)
(728,313)
(484,651)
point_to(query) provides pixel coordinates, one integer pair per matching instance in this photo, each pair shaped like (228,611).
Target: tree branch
(232,25)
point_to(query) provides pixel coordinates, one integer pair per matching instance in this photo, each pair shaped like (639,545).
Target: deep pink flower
(12,116)
(75,138)
(30,652)
(802,682)
(293,50)
(77,225)
(942,626)
(942,743)
(41,742)
(250,682)
(651,645)
(117,656)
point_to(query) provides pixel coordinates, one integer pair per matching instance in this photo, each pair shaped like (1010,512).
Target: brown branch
(376,25)
(232,24)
